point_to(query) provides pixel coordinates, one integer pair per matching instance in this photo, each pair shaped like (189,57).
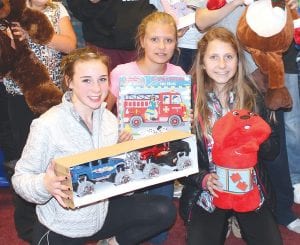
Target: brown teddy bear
(19,62)
(266,31)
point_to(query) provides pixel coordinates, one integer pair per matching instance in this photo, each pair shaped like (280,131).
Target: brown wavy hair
(242,85)
(79,55)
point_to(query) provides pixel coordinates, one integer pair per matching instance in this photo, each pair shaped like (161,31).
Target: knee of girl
(167,210)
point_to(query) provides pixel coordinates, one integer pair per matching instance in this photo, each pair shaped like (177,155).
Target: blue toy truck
(85,175)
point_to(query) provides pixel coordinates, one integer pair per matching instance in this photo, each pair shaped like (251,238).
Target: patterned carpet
(176,237)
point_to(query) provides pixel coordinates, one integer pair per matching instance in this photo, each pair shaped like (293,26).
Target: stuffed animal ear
(37,25)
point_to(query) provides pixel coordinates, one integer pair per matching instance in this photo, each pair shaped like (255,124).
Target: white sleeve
(28,179)
(63,11)
(157,4)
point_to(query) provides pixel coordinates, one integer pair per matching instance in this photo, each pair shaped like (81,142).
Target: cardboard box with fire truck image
(150,104)
(128,166)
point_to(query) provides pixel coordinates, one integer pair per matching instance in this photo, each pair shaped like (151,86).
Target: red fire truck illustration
(160,107)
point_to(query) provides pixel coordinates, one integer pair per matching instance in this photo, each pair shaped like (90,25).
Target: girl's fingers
(61,193)
(211,190)
(60,201)
(20,32)
(213,184)
(124,136)
(65,188)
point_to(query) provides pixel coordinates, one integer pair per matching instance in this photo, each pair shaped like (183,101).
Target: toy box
(154,103)
(128,166)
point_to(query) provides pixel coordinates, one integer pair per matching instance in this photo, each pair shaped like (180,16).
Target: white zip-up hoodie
(61,132)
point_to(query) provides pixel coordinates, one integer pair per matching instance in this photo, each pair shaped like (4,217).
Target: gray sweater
(61,132)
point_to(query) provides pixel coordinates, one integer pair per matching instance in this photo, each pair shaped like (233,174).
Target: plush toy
(237,137)
(19,62)
(266,31)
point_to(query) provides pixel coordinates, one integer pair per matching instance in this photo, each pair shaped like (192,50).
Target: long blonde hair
(242,85)
(155,17)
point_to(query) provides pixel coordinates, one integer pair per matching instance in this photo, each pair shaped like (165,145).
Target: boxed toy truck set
(128,166)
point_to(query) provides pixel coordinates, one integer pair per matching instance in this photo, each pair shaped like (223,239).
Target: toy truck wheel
(154,172)
(169,159)
(133,156)
(183,161)
(84,188)
(175,120)
(136,121)
(151,171)
(122,178)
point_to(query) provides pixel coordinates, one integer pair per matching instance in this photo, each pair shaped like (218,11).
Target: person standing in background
(292,117)
(110,25)
(188,37)
(77,26)
(292,125)
(20,116)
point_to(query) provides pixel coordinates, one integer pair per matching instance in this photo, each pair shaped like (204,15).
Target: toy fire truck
(159,108)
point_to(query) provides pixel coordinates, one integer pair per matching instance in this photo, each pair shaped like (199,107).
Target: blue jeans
(130,219)
(279,176)
(292,128)
(164,189)
(184,58)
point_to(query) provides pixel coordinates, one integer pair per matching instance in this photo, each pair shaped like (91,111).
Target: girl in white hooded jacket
(81,123)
